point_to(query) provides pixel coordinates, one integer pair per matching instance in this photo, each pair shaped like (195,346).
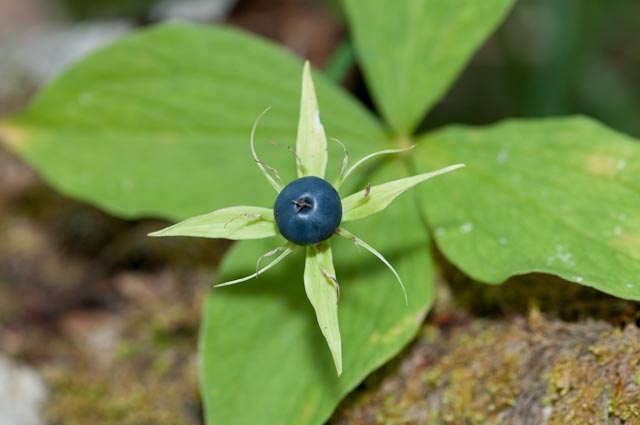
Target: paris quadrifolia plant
(307,212)
(155,123)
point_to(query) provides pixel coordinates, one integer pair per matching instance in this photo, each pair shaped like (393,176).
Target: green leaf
(557,196)
(228,223)
(376,198)
(321,286)
(265,360)
(412,50)
(311,147)
(159,122)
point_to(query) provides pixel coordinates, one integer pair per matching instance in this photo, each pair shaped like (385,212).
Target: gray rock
(22,394)
(29,60)
(192,10)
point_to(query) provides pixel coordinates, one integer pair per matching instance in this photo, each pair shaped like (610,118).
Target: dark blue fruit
(308,211)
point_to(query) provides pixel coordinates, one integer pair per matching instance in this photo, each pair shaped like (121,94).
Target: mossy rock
(520,371)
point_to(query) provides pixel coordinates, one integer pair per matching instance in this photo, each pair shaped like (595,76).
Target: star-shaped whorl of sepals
(307,213)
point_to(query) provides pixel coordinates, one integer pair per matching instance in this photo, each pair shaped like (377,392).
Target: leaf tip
(306,74)
(160,233)
(336,353)
(308,87)
(448,169)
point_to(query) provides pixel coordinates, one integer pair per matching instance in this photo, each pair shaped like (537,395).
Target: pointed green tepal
(373,199)
(321,286)
(320,282)
(235,223)
(311,145)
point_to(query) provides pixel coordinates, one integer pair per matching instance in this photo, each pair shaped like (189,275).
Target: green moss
(599,383)
(86,398)
(477,379)
(533,370)
(149,376)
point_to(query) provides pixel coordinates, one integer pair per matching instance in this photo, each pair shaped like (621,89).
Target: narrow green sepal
(376,198)
(359,242)
(311,145)
(344,174)
(286,250)
(321,286)
(233,223)
(267,170)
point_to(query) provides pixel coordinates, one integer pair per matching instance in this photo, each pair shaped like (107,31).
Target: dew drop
(561,255)
(466,227)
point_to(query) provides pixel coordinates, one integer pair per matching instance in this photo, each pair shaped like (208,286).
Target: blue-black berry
(308,211)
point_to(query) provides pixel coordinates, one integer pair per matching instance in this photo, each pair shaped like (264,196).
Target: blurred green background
(549,58)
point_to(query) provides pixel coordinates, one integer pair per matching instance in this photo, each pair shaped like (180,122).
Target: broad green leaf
(311,147)
(321,286)
(228,223)
(412,50)
(557,196)
(376,198)
(159,122)
(265,360)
